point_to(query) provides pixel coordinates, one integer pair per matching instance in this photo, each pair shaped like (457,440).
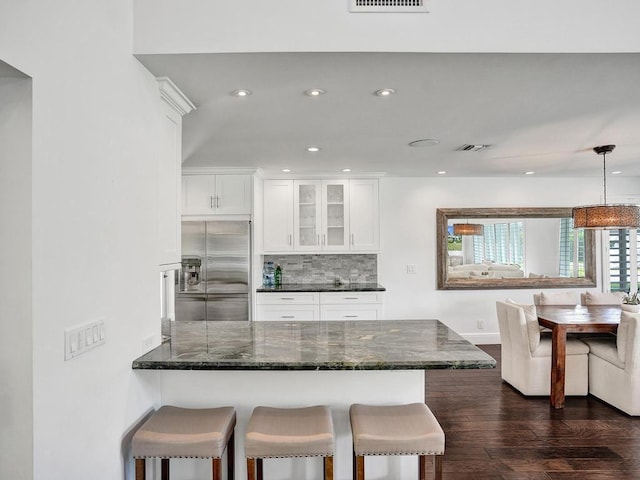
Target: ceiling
(538,112)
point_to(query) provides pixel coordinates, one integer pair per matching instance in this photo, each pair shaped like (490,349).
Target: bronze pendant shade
(606,216)
(468,229)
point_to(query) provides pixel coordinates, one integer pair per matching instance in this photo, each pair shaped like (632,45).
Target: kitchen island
(336,363)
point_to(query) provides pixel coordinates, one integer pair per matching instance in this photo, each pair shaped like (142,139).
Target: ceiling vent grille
(388,6)
(472,148)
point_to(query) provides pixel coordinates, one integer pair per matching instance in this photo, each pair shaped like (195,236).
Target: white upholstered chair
(526,356)
(614,366)
(555,298)
(601,298)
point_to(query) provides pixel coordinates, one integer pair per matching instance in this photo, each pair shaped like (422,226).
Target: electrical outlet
(147,343)
(412,269)
(480,324)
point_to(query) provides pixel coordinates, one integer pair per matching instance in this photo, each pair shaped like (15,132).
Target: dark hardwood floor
(493,432)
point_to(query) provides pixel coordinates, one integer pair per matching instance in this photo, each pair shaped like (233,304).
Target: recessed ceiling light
(345,170)
(241,93)
(529,173)
(313,149)
(286,170)
(442,172)
(314,92)
(385,92)
(425,142)
(617,172)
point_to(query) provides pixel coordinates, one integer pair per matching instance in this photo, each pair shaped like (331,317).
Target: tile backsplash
(327,268)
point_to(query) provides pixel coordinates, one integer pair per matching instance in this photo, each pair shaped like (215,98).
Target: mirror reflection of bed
(518,248)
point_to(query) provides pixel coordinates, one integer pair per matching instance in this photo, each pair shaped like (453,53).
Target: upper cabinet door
(335,215)
(216,194)
(232,194)
(307,215)
(278,216)
(365,215)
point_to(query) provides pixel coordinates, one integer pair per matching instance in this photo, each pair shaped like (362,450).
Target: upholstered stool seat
(174,432)
(409,429)
(289,432)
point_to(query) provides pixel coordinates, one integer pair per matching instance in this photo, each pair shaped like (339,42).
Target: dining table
(574,319)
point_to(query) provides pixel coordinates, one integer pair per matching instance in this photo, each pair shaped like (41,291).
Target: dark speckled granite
(324,287)
(334,345)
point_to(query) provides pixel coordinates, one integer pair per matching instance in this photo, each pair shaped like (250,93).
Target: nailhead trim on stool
(174,432)
(286,433)
(409,429)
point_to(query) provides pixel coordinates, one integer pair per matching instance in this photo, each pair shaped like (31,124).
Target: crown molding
(171,94)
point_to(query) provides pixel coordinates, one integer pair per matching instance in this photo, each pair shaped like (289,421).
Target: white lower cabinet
(351,306)
(323,306)
(288,306)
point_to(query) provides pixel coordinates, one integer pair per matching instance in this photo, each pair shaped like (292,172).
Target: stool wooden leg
(359,467)
(422,467)
(251,469)
(216,468)
(437,467)
(164,469)
(328,468)
(259,469)
(231,456)
(141,472)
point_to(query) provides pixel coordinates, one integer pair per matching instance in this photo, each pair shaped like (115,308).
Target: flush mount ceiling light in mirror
(241,93)
(606,216)
(314,92)
(425,142)
(468,229)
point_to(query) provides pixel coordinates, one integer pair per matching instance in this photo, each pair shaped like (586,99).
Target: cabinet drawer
(283,313)
(285,298)
(351,312)
(344,298)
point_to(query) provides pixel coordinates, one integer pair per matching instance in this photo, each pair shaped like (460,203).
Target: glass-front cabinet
(321,218)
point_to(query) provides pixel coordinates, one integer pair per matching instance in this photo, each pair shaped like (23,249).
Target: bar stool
(396,430)
(287,433)
(174,432)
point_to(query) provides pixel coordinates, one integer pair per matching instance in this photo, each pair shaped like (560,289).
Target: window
(624,253)
(572,251)
(501,243)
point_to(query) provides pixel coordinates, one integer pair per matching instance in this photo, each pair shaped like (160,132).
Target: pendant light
(606,216)
(468,229)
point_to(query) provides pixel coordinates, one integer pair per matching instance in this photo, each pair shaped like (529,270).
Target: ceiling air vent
(388,6)
(472,148)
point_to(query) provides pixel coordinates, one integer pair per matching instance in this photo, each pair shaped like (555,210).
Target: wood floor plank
(495,433)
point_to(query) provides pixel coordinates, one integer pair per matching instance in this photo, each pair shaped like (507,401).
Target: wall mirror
(514,248)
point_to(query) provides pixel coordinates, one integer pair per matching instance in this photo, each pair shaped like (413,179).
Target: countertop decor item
(606,216)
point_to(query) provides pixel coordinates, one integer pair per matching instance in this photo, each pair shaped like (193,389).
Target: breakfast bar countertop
(322,287)
(314,345)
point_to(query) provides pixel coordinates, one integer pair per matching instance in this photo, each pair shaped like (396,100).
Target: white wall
(92,212)
(167,26)
(16,335)
(408,236)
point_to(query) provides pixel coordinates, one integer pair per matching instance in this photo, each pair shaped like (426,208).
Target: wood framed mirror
(518,248)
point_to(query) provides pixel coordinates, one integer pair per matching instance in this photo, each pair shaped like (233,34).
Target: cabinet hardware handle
(318,239)
(217,201)
(351,298)
(289,239)
(351,316)
(286,298)
(211,202)
(287,316)
(352,240)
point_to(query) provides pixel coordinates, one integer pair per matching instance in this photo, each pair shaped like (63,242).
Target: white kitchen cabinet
(364,215)
(351,306)
(321,215)
(216,194)
(288,306)
(278,216)
(322,306)
(169,155)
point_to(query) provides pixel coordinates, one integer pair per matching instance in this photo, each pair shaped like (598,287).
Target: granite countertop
(323,287)
(314,345)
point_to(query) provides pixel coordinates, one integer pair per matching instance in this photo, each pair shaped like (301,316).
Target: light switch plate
(82,338)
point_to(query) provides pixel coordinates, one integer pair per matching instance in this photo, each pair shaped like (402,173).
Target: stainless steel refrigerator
(214,279)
